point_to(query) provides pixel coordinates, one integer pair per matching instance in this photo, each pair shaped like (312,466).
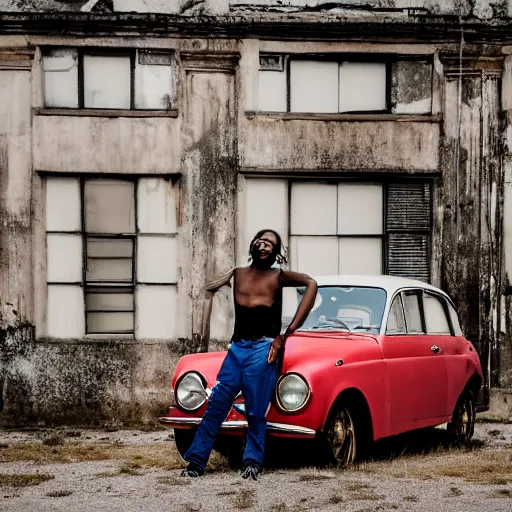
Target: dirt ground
(128,470)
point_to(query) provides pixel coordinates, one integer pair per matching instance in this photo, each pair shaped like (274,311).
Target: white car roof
(389,283)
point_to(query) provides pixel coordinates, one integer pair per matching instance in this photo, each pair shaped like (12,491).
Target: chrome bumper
(278,428)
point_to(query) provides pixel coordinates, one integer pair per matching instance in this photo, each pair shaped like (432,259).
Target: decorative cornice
(378,27)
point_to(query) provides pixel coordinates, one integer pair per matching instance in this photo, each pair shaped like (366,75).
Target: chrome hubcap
(342,438)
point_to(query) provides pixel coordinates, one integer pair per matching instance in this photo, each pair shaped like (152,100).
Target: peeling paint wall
(214,136)
(471,256)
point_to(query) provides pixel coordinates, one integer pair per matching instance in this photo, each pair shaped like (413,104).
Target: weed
(313,477)
(244,499)
(336,498)
(502,493)
(411,498)
(54,440)
(59,494)
(279,507)
(173,480)
(24,480)
(191,507)
(453,492)
(226,493)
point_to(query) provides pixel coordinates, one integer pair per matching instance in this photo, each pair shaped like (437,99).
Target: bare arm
(307,302)
(308,299)
(210,290)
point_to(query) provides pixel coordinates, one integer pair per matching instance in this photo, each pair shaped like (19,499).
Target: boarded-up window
(411,88)
(108,250)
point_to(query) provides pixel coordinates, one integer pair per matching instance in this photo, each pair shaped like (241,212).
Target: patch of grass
(356,486)
(191,507)
(244,499)
(336,498)
(365,495)
(226,493)
(502,493)
(59,494)
(173,480)
(499,481)
(24,480)
(314,477)
(279,507)
(454,492)
(483,466)
(129,469)
(56,439)
(147,455)
(411,498)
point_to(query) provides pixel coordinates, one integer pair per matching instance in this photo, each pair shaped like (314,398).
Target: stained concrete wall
(216,134)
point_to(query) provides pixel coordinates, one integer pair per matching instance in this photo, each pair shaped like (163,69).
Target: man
(251,362)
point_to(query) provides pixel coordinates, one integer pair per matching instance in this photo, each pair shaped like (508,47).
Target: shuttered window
(408,225)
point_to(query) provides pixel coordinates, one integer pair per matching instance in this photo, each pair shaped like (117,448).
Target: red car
(377,356)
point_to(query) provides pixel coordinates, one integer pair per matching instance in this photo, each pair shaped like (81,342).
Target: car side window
(411,301)
(457,330)
(396,319)
(435,315)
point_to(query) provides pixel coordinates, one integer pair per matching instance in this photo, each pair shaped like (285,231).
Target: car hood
(304,352)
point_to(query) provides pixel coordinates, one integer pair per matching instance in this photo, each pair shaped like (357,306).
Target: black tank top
(253,323)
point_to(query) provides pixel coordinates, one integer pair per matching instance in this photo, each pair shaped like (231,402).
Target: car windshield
(348,308)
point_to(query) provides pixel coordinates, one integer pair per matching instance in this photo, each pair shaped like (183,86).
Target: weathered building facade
(143,143)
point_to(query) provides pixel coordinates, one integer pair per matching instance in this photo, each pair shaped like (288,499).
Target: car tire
(462,425)
(183,439)
(345,438)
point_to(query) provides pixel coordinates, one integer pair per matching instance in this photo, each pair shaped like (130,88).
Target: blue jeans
(244,368)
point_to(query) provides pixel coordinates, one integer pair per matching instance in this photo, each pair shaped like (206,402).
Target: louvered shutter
(408,225)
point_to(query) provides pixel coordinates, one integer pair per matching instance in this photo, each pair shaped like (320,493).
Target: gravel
(112,485)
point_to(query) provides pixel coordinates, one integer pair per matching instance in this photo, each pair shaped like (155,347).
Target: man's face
(263,247)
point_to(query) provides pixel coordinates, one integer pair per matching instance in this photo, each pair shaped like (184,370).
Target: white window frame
(136,56)
(145,227)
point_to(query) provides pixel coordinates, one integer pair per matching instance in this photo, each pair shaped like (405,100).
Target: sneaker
(192,471)
(251,471)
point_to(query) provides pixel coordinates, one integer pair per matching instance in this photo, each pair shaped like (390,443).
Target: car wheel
(345,436)
(462,425)
(183,439)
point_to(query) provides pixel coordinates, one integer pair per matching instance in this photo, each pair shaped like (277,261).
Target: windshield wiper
(366,327)
(329,326)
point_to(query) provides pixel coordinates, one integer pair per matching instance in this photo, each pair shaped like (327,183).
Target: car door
(415,370)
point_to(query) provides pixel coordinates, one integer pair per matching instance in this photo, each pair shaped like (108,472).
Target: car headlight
(292,392)
(190,392)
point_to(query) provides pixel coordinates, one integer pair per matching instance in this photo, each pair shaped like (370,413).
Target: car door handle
(435,349)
